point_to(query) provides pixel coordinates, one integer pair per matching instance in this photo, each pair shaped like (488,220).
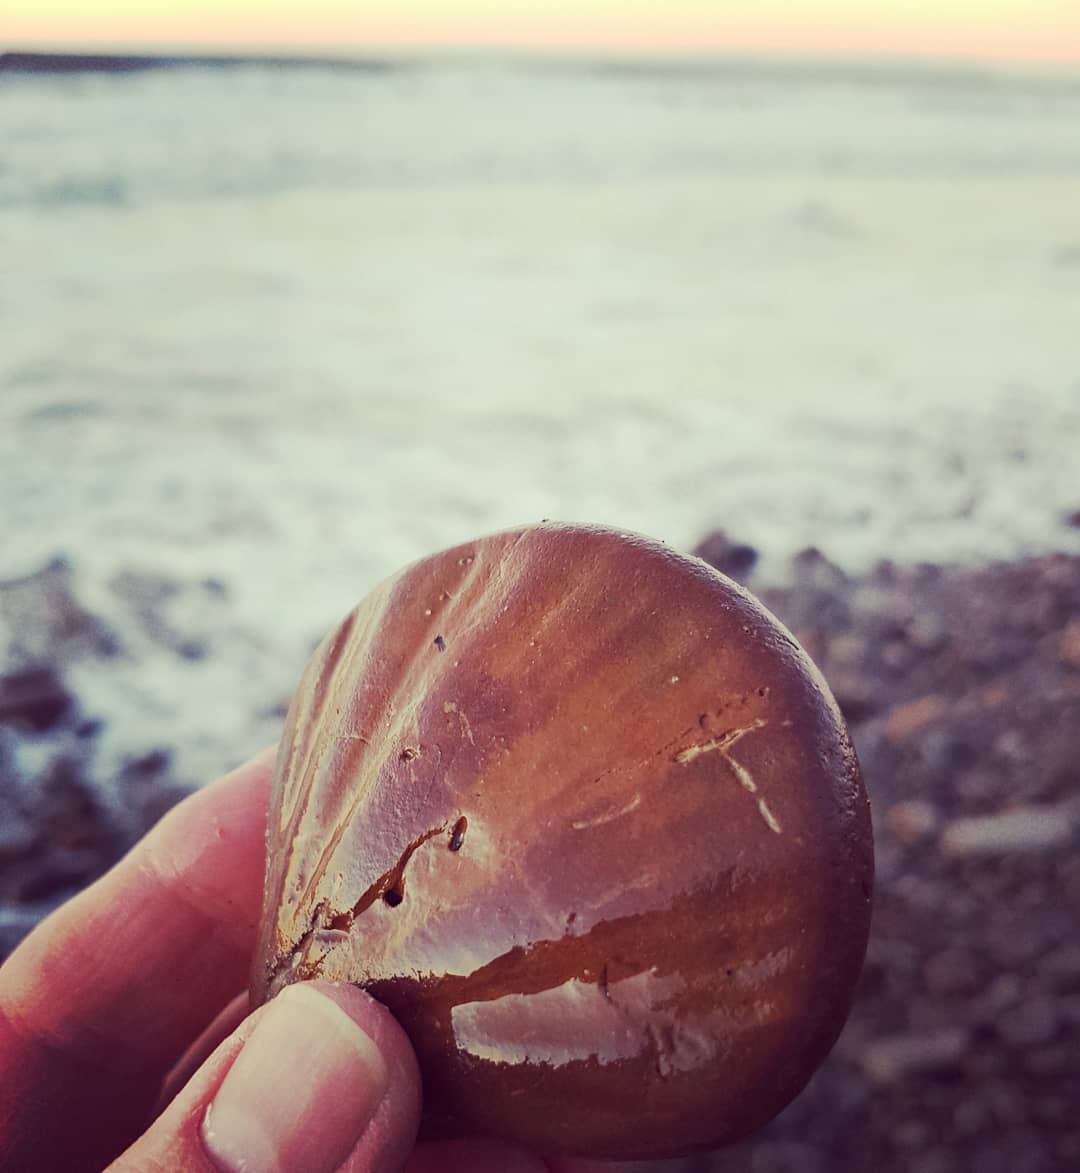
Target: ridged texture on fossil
(586,818)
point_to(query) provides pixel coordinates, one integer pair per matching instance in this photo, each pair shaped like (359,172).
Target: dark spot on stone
(457,835)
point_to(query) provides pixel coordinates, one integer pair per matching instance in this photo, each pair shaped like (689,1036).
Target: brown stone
(607,858)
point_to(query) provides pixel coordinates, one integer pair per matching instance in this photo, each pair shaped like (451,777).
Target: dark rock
(71,838)
(911,1134)
(66,807)
(1030,1024)
(59,876)
(951,973)
(47,624)
(17,834)
(91,727)
(146,767)
(813,569)
(735,559)
(34,698)
(1050,1062)
(191,649)
(158,802)
(1061,967)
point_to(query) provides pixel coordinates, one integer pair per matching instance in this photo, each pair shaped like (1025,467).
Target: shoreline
(961,686)
(958,73)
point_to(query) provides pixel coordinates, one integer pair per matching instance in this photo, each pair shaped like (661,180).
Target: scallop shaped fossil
(583,814)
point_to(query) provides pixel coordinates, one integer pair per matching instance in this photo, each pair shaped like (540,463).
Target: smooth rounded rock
(587,819)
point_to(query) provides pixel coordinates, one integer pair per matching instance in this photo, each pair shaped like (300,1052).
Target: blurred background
(291,295)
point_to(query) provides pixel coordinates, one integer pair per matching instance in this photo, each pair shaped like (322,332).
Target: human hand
(123,1034)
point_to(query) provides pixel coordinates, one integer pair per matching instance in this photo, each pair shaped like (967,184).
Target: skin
(121,1014)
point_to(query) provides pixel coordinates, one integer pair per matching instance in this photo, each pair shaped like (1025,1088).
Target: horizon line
(331,53)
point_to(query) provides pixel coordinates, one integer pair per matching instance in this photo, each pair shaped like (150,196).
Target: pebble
(846,648)
(912,820)
(813,570)
(926,631)
(897,655)
(17,834)
(44,622)
(735,559)
(951,973)
(34,698)
(1050,1062)
(774,1156)
(1029,1024)
(1068,1009)
(1022,829)
(1004,991)
(969,1116)
(1062,965)
(911,1134)
(1070,643)
(891,1059)
(907,719)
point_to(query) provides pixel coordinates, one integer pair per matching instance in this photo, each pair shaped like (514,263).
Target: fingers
(100,1000)
(200,1050)
(319,1079)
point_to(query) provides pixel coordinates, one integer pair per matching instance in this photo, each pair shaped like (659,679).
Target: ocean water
(283,330)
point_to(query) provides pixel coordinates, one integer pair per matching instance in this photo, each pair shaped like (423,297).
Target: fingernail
(301,1092)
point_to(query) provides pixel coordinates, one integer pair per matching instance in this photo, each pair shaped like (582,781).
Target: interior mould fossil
(586,818)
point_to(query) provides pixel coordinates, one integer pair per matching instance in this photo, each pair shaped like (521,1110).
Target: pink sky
(1033,30)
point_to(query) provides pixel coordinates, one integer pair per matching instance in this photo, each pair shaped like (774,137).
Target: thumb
(320,1078)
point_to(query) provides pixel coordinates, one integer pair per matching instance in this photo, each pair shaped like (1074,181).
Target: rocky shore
(962,688)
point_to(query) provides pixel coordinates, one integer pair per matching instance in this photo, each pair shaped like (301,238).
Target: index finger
(101,999)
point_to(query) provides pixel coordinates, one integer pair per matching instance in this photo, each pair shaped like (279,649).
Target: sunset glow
(1032,30)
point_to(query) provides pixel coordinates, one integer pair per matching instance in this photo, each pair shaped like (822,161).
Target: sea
(270,330)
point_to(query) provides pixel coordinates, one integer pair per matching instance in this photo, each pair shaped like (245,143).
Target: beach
(268,333)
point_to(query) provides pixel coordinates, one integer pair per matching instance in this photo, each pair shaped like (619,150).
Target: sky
(1022,30)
